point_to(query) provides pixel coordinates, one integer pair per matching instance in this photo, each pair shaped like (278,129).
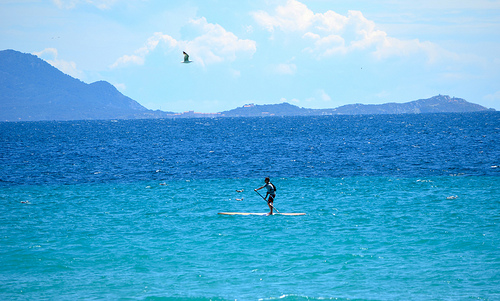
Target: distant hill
(283,109)
(32,89)
(436,104)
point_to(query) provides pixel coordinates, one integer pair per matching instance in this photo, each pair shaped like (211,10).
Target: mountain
(436,104)
(32,89)
(283,109)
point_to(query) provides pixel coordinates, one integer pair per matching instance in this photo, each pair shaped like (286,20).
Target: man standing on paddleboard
(271,192)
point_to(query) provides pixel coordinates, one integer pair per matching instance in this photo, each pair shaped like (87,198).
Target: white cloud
(324,96)
(214,45)
(287,69)
(326,46)
(140,54)
(249,29)
(70,4)
(330,33)
(331,21)
(50,55)
(128,60)
(65,4)
(120,86)
(235,73)
(295,16)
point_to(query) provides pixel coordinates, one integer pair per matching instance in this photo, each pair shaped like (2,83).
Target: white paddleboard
(257,213)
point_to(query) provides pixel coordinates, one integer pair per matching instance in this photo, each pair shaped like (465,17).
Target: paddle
(266,201)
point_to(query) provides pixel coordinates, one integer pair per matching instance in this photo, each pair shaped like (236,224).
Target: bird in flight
(186,58)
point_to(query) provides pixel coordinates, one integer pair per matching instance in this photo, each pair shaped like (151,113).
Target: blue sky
(313,54)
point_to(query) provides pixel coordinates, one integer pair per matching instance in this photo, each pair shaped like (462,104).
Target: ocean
(398,207)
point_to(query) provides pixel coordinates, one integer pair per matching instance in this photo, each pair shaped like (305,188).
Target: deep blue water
(132,150)
(399,207)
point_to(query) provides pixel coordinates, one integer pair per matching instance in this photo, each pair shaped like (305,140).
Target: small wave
(300,298)
(154,298)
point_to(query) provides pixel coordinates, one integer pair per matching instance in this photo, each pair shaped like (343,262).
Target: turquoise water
(363,238)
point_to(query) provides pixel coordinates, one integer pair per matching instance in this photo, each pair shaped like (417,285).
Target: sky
(312,54)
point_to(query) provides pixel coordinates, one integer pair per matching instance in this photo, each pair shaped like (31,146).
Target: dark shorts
(270,199)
